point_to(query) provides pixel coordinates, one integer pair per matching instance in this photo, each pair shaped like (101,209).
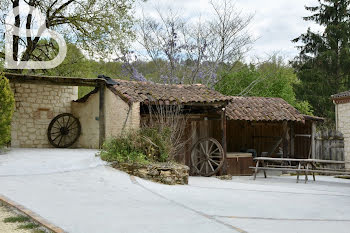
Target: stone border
(165,173)
(35,217)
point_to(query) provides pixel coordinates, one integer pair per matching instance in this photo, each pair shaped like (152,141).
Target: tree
(269,79)
(6,110)
(323,64)
(193,52)
(100,27)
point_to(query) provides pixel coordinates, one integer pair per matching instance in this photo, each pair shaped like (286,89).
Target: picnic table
(303,166)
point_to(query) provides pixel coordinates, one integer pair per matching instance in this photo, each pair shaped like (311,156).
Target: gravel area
(10,227)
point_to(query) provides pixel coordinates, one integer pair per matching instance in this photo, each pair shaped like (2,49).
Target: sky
(275,22)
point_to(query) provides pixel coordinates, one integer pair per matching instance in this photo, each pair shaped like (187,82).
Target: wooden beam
(303,135)
(313,143)
(224,140)
(53,80)
(285,139)
(292,140)
(102,120)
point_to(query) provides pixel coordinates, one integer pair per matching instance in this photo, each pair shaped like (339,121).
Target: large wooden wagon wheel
(207,157)
(64,130)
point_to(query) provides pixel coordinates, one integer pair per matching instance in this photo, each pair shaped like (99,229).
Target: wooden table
(305,166)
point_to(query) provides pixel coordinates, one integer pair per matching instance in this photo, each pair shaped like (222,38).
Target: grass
(38,231)
(17,219)
(28,226)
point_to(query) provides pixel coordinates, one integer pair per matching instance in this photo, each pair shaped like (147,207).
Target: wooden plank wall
(303,144)
(330,146)
(242,135)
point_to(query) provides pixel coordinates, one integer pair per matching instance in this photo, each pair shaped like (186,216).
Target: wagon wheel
(64,130)
(207,156)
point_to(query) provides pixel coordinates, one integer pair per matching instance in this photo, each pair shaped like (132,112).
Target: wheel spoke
(213,161)
(211,166)
(211,147)
(68,122)
(71,123)
(200,161)
(202,148)
(60,141)
(58,122)
(56,137)
(53,133)
(215,150)
(202,167)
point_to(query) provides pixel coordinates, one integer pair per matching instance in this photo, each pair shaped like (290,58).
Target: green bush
(122,149)
(149,144)
(155,143)
(6,110)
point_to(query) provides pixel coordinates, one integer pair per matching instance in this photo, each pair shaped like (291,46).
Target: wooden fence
(329,146)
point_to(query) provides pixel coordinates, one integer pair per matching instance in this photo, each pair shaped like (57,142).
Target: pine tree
(323,64)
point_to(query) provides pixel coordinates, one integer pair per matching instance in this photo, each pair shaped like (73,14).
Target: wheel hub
(64,131)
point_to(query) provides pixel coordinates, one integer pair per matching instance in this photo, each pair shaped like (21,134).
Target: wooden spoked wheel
(64,130)
(207,157)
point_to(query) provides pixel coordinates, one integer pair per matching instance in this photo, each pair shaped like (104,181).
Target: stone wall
(170,174)
(88,113)
(120,117)
(36,106)
(343,125)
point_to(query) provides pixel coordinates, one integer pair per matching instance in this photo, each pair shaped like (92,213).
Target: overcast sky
(275,24)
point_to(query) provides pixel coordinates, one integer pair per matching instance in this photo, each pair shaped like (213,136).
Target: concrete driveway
(76,191)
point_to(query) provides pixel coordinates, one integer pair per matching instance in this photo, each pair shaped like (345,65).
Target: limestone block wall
(87,113)
(120,117)
(36,106)
(343,125)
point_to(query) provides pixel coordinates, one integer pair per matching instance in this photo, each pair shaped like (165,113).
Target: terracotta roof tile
(149,92)
(262,109)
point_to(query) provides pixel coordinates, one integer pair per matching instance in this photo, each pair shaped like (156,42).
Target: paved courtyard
(76,191)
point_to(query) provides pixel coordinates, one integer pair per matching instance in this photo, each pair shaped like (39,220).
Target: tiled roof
(341,95)
(262,109)
(134,91)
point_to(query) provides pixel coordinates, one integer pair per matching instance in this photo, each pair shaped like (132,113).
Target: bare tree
(229,37)
(171,120)
(193,52)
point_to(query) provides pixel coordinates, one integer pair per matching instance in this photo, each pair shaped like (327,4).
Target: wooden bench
(305,166)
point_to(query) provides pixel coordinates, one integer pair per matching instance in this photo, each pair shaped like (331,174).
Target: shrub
(149,144)
(160,139)
(155,143)
(122,149)
(6,110)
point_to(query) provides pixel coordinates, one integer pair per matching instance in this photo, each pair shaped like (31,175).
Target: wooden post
(313,142)
(285,139)
(292,140)
(224,145)
(102,120)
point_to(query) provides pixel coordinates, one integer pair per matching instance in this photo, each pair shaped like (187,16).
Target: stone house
(266,125)
(114,106)
(342,116)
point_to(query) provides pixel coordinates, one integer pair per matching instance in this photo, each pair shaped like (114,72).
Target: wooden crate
(238,164)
